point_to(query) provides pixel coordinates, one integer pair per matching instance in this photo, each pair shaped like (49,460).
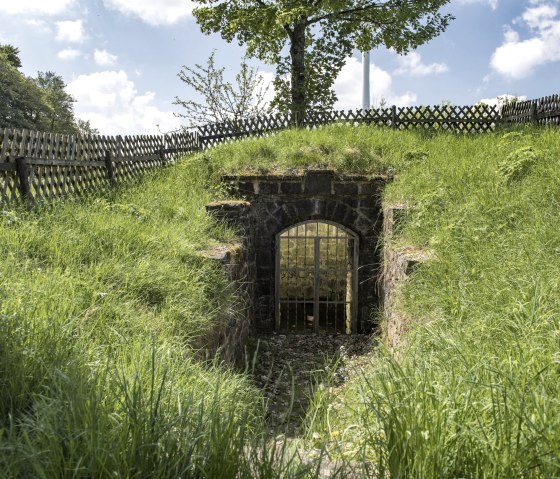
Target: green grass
(476,392)
(104,303)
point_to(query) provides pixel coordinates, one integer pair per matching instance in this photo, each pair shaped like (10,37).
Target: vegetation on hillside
(40,103)
(104,302)
(475,393)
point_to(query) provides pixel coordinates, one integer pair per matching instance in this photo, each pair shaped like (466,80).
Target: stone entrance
(352,203)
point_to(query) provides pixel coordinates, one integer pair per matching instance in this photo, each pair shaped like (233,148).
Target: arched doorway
(316,278)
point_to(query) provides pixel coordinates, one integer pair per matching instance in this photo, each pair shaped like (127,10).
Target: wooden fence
(43,166)
(477,118)
(544,111)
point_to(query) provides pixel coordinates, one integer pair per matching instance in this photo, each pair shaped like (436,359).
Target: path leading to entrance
(287,366)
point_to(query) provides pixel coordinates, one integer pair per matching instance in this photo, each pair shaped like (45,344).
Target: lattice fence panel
(477,118)
(60,165)
(542,111)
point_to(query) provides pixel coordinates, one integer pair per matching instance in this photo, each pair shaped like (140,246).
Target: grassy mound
(476,393)
(104,302)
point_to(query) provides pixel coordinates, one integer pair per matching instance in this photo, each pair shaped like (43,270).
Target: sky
(120,58)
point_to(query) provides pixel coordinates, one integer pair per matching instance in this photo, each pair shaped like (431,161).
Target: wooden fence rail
(543,111)
(43,166)
(477,118)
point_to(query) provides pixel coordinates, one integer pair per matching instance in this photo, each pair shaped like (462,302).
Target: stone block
(318,182)
(345,188)
(304,209)
(245,188)
(268,187)
(369,188)
(339,213)
(291,188)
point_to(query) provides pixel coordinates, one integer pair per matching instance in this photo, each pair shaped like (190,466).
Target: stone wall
(399,263)
(279,202)
(238,261)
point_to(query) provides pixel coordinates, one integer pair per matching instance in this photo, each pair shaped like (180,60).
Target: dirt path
(287,366)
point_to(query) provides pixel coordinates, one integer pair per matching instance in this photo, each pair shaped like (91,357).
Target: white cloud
(70,31)
(35,7)
(69,54)
(517,58)
(104,58)
(348,87)
(411,64)
(493,4)
(162,12)
(113,105)
(501,100)
(34,22)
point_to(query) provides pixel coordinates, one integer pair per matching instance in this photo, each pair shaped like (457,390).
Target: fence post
(23,176)
(109,166)
(162,151)
(394,116)
(534,113)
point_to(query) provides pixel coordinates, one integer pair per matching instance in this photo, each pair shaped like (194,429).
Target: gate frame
(355,258)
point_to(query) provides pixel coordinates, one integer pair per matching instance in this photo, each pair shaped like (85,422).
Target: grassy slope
(102,301)
(477,392)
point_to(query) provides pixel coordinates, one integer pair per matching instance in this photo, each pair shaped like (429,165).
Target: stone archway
(353,202)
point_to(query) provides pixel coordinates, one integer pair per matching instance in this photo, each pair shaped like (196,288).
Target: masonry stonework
(278,202)
(237,259)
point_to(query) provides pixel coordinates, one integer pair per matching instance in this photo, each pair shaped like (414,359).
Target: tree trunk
(297,55)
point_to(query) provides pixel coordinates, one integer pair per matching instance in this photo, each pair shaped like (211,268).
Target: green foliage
(21,100)
(34,103)
(103,300)
(11,54)
(474,393)
(104,303)
(59,114)
(221,101)
(318,37)
(518,163)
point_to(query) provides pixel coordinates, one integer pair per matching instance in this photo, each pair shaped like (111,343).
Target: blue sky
(120,58)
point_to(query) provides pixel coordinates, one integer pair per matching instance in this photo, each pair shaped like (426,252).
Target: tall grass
(104,303)
(476,392)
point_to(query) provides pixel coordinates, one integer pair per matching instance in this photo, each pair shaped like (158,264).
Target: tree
(12,54)
(21,100)
(59,113)
(319,35)
(40,103)
(84,127)
(221,100)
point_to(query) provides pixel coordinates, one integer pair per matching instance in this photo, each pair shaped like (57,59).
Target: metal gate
(316,280)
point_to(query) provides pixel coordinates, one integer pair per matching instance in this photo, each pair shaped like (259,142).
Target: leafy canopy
(326,31)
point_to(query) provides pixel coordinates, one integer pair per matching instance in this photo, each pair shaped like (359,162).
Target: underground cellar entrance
(313,243)
(308,265)
(316,289)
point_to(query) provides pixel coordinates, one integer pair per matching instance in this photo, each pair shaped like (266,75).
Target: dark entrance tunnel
(315,239)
